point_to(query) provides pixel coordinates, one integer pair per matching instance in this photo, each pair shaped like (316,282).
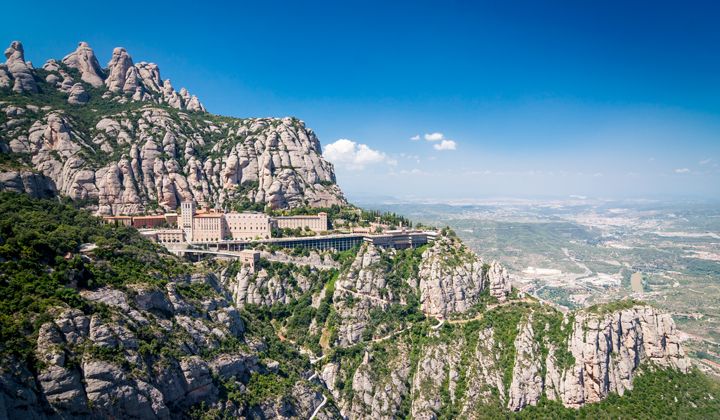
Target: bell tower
(187,213)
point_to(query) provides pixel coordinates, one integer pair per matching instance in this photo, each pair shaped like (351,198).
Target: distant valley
(578,252)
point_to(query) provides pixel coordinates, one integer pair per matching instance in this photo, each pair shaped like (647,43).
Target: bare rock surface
(83,60)
(17,69)
(148,156)
(78,95)
(451,278)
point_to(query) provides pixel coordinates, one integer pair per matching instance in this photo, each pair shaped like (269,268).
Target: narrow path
(479,316)
(377,340)
(288,259)
(313,361)
(464,321)
(362,295)
(319,407)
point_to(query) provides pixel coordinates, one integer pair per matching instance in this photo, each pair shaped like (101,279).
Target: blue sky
(547,98)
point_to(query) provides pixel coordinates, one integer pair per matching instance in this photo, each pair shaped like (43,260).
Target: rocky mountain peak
(83,59)
(17,70)
(15,51)
(125,81)
(134,154)
(119,71)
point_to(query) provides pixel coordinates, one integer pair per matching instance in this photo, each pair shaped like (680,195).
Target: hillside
(123,140)
(98,322)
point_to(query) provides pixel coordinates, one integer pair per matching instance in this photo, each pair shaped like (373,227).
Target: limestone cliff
(353,328)
(462,369)
(126,142)
(431,332)
(451,278)
(152,353)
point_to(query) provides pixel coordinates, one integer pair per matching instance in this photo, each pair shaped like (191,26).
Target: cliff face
(106,366)
(130,143)
(461,371)
(608,349)
(509,354)
(429,332)
(353,327)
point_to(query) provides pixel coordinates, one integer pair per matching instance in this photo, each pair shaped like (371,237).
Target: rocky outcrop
(33,184)
(126,161)
(108,365)
(379,385)
(498,281)
(264,288)
(439,366)
(143,82)
(160,160)
(527,381)
(468,371)
(84,61)
(483,374)
(359,290)
(120,79)
(78,95)
(609,349)
(451,278)
(18,70)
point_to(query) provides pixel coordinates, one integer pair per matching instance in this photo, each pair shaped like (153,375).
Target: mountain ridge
(124,139)
(99,322)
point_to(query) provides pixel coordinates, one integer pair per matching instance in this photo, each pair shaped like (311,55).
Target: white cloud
(445,145)
(414,171)
(354,156)
(416,137)
(705,161)
(682,171)
(434,136)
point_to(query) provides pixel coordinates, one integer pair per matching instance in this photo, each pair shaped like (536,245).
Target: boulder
(78,95)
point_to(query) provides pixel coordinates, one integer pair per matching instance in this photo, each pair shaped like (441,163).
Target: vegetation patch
(615,306)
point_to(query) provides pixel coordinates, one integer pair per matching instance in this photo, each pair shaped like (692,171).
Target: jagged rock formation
(264,288)
(95,365)
(609,349)
(120,77)
(78,95)
(147,157)
(35,185)
(451,278)
(16,69)
(379,385)
(464,374)
(527,381)
(83,60)
(498,281)
(359,290)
